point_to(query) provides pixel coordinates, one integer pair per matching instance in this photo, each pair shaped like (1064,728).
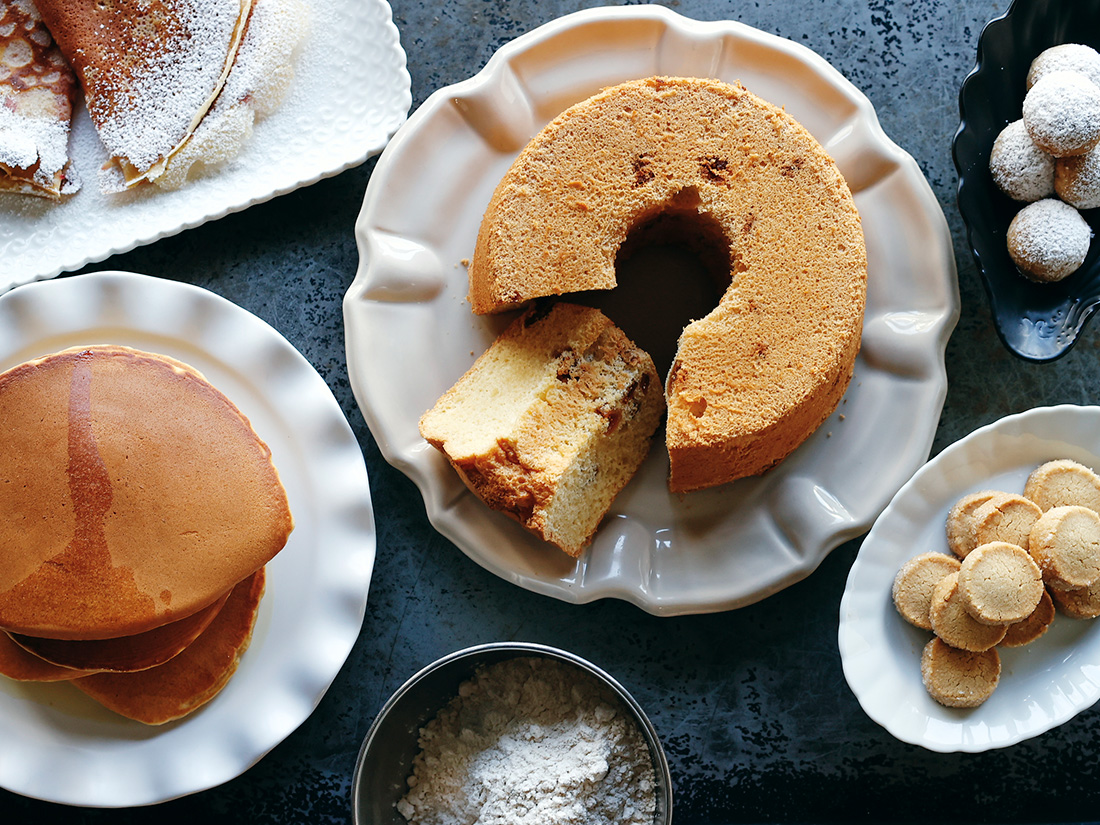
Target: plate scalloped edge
(1042,685)
(399,269)
(60,746)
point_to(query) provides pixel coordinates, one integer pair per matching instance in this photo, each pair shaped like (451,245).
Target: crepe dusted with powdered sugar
(150,70)
(37,90)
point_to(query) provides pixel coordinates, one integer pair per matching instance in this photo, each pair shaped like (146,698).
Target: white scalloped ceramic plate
(411,334)
(351,92)
(61,746)
(1043,684)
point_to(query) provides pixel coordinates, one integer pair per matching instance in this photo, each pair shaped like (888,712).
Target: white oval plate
(1042,684)
(58,744)
(350,93)
(411,334)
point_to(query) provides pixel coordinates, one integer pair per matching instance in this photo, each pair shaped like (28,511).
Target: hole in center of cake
(672,269)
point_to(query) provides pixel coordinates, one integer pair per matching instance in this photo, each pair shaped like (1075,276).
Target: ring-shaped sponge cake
(727,171)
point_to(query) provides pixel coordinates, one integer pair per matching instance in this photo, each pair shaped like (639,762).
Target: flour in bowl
(531,741)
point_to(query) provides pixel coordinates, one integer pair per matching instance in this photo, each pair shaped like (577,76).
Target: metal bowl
(386,757)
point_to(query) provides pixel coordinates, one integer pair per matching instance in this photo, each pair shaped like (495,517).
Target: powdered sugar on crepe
(36,93)
(257,84)
(173,90)
(26,141)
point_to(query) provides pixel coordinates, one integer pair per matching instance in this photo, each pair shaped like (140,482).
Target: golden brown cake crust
(135,494)
(764,369)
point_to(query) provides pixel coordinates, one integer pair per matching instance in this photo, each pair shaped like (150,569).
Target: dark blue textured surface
(752,705)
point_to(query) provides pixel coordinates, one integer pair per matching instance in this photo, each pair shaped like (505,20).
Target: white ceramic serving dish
(1043,684)
(350,93)
(61,746)
(411,334)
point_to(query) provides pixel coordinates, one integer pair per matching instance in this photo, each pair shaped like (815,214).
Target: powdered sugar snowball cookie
(1071,57)
(1065,543)
(952,623)
(1048,240)
(1006,517)
(1082,603)
(999,583)
(960,520)
(1062,113)
(1077,179)
(913,585)
(1021,169)
(1062,482)
(1034,626)
(959,678)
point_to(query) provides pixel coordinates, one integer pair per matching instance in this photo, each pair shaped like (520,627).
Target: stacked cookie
(1050,159)
(1014,559)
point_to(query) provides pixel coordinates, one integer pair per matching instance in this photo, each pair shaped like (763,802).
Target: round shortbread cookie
(952,623)
(1062,482)
(959,678)
(1034,626)
(1065,543)
(1083,603)
(999,583)
(913,585)
(1007,518)
(960,520)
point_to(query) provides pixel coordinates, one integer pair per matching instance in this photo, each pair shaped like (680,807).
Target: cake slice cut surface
(552,421)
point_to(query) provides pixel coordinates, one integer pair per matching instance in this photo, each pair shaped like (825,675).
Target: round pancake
(23,666)
(134,494)
(126,654)
(190,680)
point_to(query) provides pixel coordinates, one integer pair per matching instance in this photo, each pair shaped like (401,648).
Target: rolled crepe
(37,91)
(150,70)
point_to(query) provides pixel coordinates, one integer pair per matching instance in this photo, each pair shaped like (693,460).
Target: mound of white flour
(531,741)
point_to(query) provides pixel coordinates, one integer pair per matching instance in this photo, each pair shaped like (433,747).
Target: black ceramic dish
(1037,322)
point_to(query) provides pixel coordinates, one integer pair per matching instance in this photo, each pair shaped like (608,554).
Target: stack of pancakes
(140,508)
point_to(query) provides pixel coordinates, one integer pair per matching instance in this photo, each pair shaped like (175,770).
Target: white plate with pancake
(351,91)
(1042,684)
(61,746)
(411,333)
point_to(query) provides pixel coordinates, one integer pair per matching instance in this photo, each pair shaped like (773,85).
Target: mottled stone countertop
(752,706)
